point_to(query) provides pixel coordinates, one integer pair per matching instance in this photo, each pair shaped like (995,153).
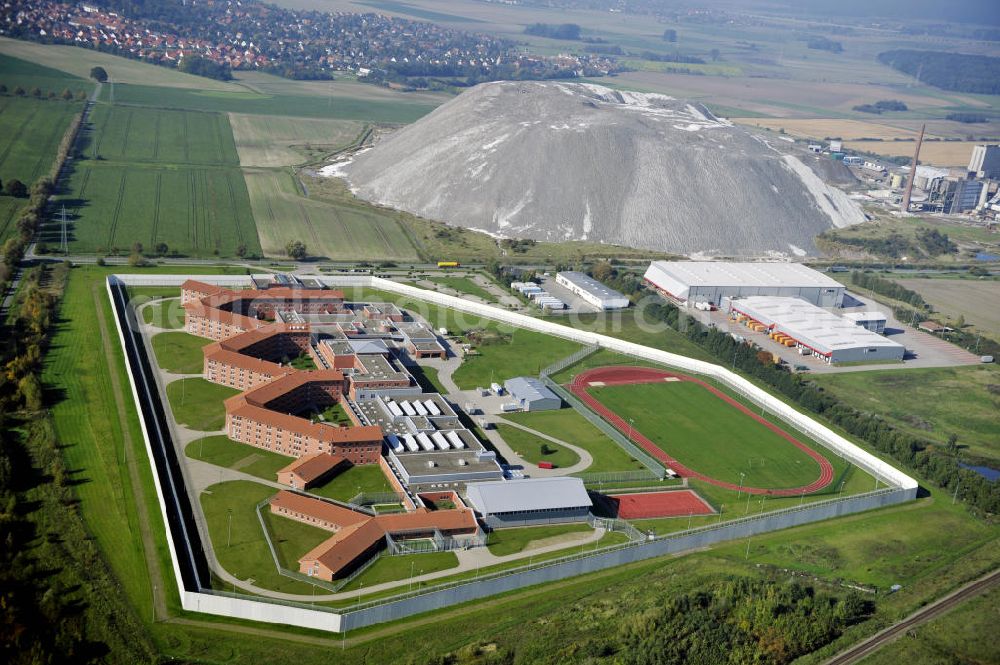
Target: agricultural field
(274,141)
(30,132)
(332,231)
(929,403)
(978,301)
(26,72)
(159,176)
(707,435)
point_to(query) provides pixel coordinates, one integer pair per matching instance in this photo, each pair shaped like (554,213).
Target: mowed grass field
(223,451)
(976,300)
(708,435)
(333,231)
(271,140)
(529,447)
(929,403)
(198,404)
(154,176)
(30,132)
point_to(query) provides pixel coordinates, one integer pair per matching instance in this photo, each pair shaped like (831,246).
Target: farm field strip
(338,232)
(977,301)
(689,424)
(269,141)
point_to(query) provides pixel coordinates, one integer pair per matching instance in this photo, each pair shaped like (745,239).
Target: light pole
(631,424)
(740,491)
(229,529)
(412,564)
(747,511)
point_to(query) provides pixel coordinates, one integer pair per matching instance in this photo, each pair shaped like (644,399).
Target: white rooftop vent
(431,464)
(462,462)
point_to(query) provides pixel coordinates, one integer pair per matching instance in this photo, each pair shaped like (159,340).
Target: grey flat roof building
(826,335)
(528,495)
(532,394)
(592,291)
(690,282)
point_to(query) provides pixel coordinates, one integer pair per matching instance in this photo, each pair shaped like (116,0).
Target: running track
(620,376)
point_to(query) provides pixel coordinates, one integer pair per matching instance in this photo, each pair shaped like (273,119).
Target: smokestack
(913,172)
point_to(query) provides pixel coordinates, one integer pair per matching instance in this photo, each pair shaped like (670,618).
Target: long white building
(592,291)
(692,282)
(817,331)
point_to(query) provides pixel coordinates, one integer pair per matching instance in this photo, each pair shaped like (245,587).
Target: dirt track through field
(620,376)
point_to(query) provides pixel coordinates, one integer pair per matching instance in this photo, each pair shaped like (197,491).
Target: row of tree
(38,93)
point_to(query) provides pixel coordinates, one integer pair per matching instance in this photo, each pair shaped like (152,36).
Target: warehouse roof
(528,494)
(588,283)
(528,389)
(719,273)
(865,316)
(812,326)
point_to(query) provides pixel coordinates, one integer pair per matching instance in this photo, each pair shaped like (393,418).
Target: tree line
(949,71)
(36,92)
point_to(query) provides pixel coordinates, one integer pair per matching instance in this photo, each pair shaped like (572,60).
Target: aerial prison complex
(357,404)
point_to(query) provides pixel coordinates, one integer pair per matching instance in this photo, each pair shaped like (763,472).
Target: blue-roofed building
(531,394)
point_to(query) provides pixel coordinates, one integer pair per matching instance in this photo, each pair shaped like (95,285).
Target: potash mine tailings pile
(565,161)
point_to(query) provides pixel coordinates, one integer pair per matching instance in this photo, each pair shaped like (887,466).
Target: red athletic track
(620,376)
(660,504)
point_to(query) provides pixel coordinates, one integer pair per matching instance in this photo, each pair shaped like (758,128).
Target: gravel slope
(563,161)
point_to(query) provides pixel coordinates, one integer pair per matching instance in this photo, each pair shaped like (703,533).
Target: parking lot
(575,302)
(922,349)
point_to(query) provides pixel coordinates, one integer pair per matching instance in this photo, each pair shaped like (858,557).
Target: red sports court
(660,504)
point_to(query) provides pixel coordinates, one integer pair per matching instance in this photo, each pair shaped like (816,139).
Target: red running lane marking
(660,504)
(623,375)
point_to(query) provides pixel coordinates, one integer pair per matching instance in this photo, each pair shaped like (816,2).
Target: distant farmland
(152,176)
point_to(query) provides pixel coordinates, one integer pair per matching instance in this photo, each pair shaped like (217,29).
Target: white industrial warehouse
(814,331)
(693,282)
(591,291)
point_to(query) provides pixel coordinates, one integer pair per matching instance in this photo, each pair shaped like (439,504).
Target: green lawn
(464,285)
(529,447)
(570,426)
(21,72)
(709,436)
(197,404)
(223,451)
(239,542)
(179,352)
(348,484)
(336,414)
(292,538)
(394,568)
(929,403)
(525,354)
(634,325)
(167,314)
(427,378)
(303,361)
(503,542)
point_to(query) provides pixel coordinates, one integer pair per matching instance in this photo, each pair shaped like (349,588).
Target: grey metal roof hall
(530,391)
(528,494)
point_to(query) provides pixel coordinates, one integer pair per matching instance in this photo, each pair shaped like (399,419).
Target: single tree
(100,261)
(81,95)
(670,36)
(31,392)
(952,442)
(296,249)
(98,74)
(66,94)
(241,250)
(715,54)
(19,91)
(36,92)
(3,89)
(137,248)
(161,248)
(17,189)
(602,271)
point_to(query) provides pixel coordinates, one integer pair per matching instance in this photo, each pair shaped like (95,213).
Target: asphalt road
(921,616)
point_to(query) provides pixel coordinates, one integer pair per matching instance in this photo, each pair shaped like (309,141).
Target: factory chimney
(913,172)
